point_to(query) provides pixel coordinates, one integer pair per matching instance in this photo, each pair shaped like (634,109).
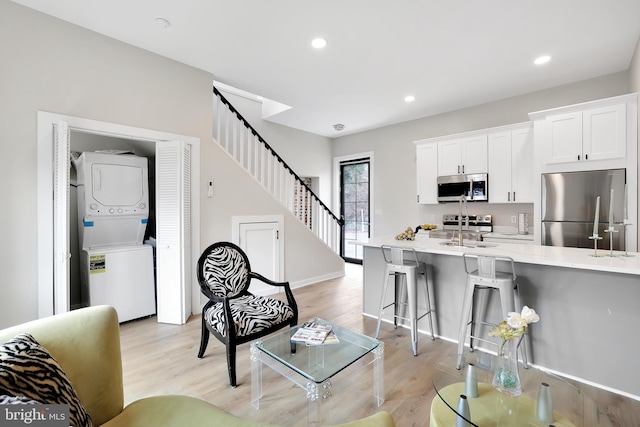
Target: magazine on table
(314,333)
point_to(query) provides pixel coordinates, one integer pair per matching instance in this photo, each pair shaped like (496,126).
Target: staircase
(244,145)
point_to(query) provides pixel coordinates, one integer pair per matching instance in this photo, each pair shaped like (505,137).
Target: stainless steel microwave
(473,186)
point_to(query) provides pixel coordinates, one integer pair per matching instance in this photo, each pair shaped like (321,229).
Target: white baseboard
(312,280)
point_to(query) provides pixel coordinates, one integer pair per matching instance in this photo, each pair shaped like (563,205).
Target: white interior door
(173,231)
(261,240)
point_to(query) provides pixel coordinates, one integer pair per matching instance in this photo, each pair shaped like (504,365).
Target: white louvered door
(173,231)
(61,218)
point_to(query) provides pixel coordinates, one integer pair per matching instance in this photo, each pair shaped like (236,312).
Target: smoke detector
(162,22)
(338,126)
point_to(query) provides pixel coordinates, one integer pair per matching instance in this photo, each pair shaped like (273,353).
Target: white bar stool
(407,271)
(485,277)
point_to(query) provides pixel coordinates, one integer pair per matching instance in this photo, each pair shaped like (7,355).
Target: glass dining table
(492,408)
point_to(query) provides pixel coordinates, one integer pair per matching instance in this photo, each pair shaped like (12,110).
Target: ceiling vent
(338,127)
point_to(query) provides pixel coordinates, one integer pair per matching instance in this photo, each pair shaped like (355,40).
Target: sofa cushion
(27,369)
(186,411)
(177,411)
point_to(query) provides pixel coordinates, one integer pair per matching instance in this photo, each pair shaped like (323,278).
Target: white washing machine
(113,208)
(120,276)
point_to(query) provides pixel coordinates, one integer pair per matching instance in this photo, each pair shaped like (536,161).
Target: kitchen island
(588,305)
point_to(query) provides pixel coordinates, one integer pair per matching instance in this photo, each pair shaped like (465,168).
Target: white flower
(530,315)
(520,320)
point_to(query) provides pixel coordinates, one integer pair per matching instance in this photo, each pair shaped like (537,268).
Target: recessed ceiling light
(542,60)
(162,22)
(409,98)
(319,43)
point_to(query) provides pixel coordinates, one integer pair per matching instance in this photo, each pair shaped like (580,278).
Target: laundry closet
(112,227)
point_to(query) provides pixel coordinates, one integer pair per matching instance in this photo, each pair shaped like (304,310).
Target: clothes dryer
(113,199)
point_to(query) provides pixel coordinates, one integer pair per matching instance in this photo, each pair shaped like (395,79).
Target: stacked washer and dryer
(116,267)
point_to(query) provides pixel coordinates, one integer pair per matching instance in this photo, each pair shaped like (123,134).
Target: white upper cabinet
(522,161)
(427,173)
(604,133)
(449,157)
(588,135)
(511,165)
(462,155)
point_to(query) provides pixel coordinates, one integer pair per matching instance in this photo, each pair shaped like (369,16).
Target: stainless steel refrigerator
(569,204)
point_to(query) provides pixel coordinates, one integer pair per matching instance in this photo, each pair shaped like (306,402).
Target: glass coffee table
(492,408)
(311,367)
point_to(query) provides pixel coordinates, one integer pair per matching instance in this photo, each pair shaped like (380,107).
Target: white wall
(51,65)
(395,157)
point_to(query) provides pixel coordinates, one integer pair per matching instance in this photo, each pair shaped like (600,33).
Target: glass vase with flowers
(506,378)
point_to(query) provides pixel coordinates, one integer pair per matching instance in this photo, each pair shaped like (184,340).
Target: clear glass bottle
(506,378)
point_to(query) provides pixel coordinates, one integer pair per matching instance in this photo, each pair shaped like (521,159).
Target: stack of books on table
(314,333)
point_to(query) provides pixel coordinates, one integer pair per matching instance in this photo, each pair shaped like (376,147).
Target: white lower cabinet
(510,165)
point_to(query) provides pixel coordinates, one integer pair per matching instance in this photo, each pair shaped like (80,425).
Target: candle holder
(611,230)
(625,224)
(595,237)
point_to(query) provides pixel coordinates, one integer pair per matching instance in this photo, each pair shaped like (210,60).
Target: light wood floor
(161,359)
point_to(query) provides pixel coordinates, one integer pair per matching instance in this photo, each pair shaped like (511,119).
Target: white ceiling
(450,54)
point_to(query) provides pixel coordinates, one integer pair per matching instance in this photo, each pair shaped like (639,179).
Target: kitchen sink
(464,245)
(470,244)
(485,245)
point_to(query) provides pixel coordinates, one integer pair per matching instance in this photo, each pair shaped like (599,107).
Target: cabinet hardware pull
(586,157)
(578,156)
(508,196)
(514,196)
(458,168)
(418,198)
(462,168)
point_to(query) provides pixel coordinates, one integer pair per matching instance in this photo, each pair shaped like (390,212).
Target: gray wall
(395,157)
(51,65)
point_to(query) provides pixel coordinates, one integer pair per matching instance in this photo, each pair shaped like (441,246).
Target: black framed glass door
(354,206)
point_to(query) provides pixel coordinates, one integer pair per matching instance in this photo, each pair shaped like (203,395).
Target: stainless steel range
(476,223)
(473,226)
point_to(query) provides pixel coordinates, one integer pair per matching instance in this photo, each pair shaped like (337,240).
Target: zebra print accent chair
(233,314)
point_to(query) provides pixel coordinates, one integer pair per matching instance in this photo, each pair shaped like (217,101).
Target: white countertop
(530,254)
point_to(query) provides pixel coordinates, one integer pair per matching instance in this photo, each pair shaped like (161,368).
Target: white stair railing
(240,141)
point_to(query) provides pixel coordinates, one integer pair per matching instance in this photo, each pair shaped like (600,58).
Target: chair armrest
(260,277)
(287,292)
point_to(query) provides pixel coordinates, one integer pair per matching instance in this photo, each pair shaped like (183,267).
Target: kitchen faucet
(463,199)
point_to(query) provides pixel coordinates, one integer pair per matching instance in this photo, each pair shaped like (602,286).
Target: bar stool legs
(406,276)
(487,279)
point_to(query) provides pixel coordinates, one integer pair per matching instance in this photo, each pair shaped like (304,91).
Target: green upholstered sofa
(86,343)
